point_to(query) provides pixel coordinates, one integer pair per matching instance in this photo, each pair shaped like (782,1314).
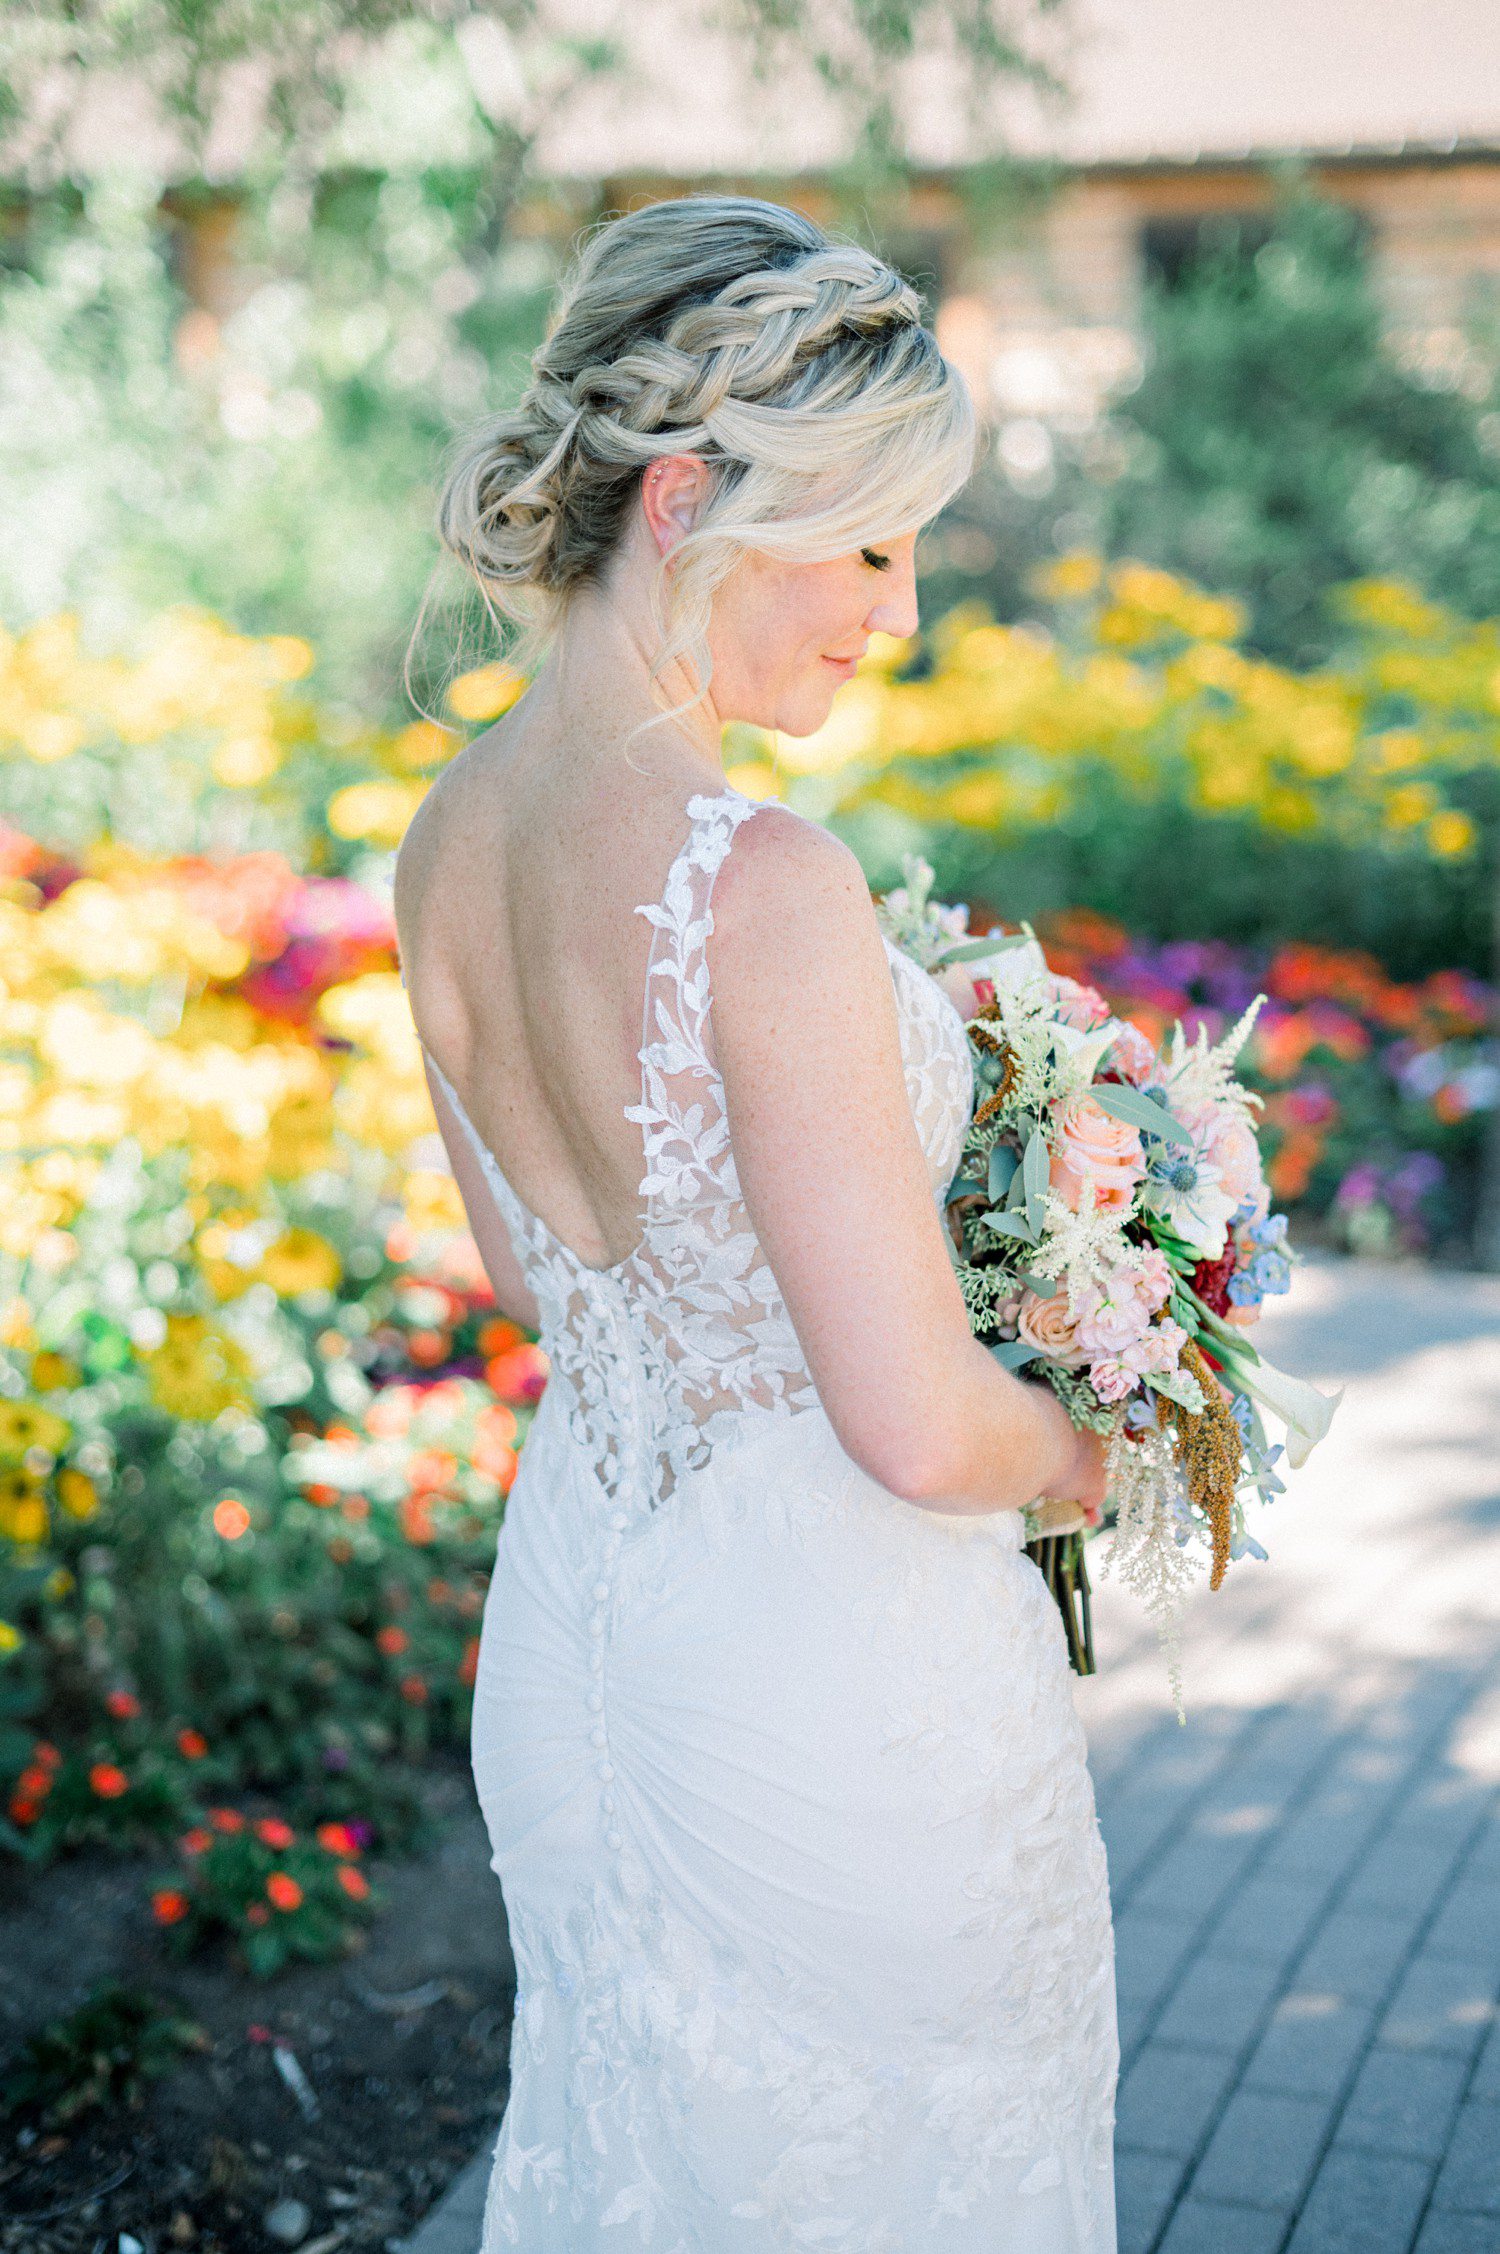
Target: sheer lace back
(665,1356)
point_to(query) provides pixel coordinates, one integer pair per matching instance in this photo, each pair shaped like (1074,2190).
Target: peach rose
(1047,1325)
(1093,1147)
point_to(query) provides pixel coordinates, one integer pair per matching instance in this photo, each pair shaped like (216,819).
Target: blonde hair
(796,367)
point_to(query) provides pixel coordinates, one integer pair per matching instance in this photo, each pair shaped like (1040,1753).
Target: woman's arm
(807,1039)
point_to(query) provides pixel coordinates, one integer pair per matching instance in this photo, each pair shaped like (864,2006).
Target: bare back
(526,964)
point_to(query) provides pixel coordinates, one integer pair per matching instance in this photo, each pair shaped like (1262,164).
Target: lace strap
(681,1112)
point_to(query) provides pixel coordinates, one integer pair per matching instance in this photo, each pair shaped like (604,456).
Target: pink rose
(1130,1054)
(1047,1325)
(1111,1380)
(1082,1007)
(1092,1147)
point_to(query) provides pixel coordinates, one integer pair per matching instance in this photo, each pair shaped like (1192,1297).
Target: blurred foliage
(278,464)
(257,1413)
(1143,761)
(1280,446)
(325,68)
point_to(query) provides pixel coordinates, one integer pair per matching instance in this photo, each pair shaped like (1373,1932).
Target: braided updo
(797,368)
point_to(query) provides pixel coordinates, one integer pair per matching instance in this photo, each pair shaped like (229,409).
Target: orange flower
(197,1841)
(431,1468)
(191,1745)
(274,1832)
(415,1514)
(257,1914)
(337,1838)
(414,1690)
(108,1781)
(321,1494)
(354,1882)
(283,1890)
(390,1640)
(226,1819)
(468,1666)
(121,1703)
(168,1905)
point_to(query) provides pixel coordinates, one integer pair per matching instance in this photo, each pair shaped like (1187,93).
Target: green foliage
(103,2053)
(278,466)
(1278,446)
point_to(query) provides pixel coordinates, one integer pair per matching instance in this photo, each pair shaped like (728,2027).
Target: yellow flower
(377,811)
(300,1260)
(25,1425)
(10,1637)
(23,1507)
(196,1372)
(77,1493)
(1451,833)
(485,693)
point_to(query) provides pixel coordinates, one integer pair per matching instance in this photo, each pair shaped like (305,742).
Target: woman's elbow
(914,1460)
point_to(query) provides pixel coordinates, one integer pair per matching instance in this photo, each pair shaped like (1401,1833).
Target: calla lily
(1304,1411)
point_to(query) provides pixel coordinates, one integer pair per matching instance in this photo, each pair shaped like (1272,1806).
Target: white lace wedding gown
(782,1774)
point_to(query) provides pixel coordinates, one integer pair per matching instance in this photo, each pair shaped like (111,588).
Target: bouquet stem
(1059,1558)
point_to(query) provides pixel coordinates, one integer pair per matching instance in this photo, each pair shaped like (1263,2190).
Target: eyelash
(873,557)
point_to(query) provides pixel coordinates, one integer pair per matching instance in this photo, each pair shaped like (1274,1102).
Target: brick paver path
(1306,1878)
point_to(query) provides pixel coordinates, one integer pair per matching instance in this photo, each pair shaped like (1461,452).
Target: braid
(721,326)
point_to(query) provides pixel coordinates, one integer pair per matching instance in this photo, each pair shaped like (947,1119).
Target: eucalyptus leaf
(1002,1168)
(972,950)
(1137,1109)
(1036,1169)
(1013,1353)
(1045,1287)
(1011,1225)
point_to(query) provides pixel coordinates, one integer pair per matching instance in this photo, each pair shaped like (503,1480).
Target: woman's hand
(1077,1498)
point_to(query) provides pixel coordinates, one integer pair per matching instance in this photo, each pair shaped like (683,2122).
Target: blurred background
(1207,687)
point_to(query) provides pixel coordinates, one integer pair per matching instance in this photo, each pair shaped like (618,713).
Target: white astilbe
(1082,1247)
(1204,1075)
(1145,1482)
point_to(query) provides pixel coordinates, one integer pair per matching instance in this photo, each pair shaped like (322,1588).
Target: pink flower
(1228,1142)
(1092,1147)
(1082,1007)
(1047,1325)
(1114,1315)
(1130,1054)
(1153,1353)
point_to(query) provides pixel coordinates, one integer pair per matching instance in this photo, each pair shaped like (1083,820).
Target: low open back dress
(782,1774)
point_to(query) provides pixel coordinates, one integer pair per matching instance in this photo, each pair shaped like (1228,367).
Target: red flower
(257,1914)
(226,1819)
(468,1666)
(274,1832)
(34,1783)
(47,1754)
(108,1781)
(353,1882)
(191,1745)
(283,1890)
(23,1811)
(197,1841)
(121,1703)
(391,1640)
(414,1690)
(169,1904)
(337,1838)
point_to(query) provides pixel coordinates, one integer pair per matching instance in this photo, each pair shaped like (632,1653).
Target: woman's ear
(671,491)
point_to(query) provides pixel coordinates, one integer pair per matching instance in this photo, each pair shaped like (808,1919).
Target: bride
(773,1728)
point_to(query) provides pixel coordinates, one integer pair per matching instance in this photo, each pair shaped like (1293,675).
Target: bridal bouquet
(1113,1237)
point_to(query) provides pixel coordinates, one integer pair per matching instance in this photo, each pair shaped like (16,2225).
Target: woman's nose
(896,612)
